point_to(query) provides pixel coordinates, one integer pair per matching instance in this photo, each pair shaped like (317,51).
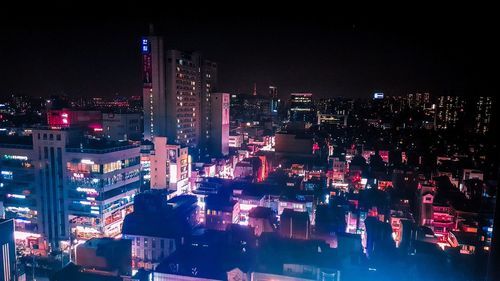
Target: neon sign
(145,46)
(15,157)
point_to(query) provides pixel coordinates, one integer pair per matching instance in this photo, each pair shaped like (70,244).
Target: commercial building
(8,251)
(62,185)
(18,189)
(102,181)
(170,166)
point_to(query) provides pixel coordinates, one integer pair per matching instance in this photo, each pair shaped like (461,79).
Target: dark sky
(97,56)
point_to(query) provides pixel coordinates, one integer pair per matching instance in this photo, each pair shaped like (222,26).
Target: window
(58,137)
(162,243)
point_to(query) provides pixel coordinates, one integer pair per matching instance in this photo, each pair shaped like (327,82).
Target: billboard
(146,62)
(378,96)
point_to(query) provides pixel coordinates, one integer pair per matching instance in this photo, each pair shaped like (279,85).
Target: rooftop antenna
(254,89)
(151,29)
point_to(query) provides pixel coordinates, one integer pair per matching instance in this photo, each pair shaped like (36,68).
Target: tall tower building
(176,90)
(153,89)
(208,86)
(483,114)
(219,139)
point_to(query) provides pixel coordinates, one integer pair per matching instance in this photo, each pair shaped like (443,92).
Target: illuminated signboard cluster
(15,157)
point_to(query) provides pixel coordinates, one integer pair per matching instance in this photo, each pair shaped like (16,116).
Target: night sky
(99,56)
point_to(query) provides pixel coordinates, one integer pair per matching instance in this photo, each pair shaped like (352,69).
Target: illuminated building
(153,89)
(8,251)
(443,220)
(183,88)
(221,212)
(331,119)
(449,112)
(208,86)
(219,127)
(80,188)
(483,114)
(425,201)
(102,182)
(174,84)
(299,203)
(122,126)
(170,166)
(235,141)
(57,118)
(301,108)
(275,101)
(339,169)
(18,189)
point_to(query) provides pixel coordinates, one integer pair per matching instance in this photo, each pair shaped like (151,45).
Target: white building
(170,166)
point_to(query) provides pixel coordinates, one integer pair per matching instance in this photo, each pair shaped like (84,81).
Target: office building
(301,108)
(219,136)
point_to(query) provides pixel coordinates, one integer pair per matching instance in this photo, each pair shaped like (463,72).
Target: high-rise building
(301,108)
(153,90)
(219,136)
(176,90)
(183,80)
(208,86)
(449,112)
(483,112)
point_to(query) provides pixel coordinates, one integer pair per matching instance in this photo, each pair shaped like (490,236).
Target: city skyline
(140,142)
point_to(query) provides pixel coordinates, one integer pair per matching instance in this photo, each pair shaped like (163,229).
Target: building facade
(219,136)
